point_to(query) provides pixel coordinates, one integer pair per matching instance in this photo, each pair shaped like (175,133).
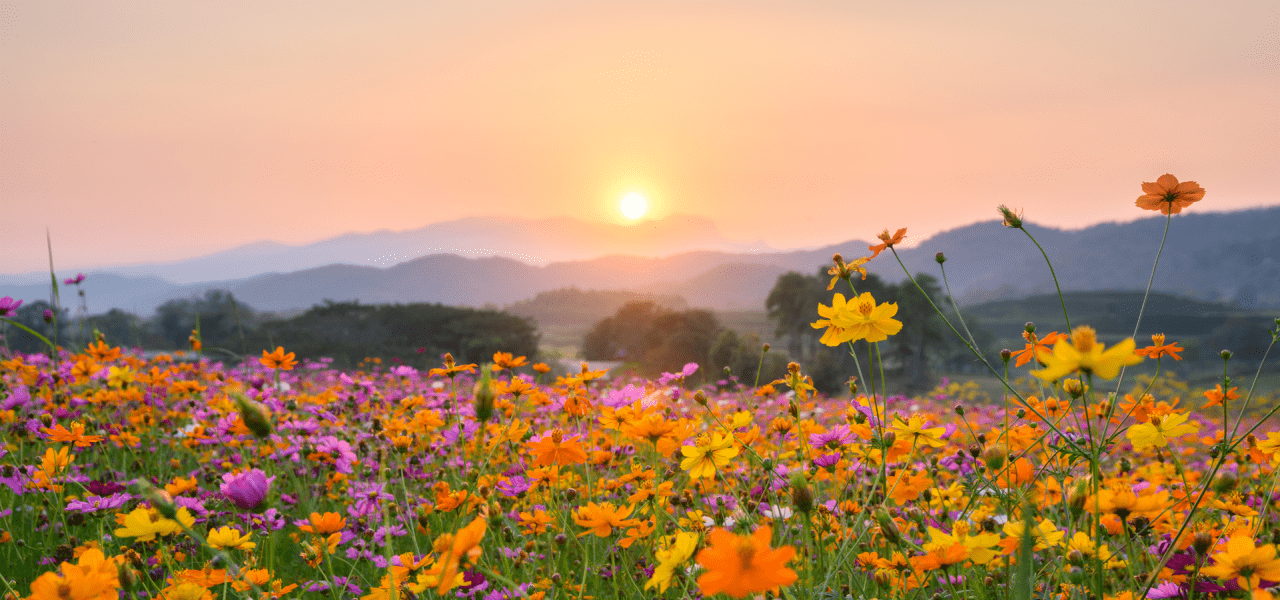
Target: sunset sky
(152,131)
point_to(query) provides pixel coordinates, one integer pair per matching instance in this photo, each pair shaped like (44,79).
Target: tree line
(348,332)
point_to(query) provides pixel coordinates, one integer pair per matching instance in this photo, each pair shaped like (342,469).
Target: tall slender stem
(1143,308)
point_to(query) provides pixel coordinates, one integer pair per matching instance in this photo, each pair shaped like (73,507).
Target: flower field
(185,478)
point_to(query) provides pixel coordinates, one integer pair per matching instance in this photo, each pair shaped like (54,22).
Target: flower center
(865,308)
(746,552)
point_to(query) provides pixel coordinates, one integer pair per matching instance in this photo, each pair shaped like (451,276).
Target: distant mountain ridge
(1232,257)
(530,241)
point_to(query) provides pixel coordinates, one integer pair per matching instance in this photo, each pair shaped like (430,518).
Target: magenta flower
(74,280)
(246,490)
(9,306)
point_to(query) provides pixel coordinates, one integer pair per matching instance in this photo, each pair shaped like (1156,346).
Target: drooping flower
(844,270)
(738,566)
(1168,196)
(886,241)
(1084,353)
(247,490)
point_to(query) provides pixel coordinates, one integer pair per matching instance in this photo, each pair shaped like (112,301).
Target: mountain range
(1232,257)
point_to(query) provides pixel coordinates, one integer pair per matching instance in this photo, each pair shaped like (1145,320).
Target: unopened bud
(853,384)
(765,348)
(1225,354)
(889,438)
(995,456)
(47,419)
(484,397)
(888,527)
(940,257)
(959,408)
(801,495)
(728,371)
(253,414)
(1202,542)
(700,398)
(1029,327)
(1005,355)
(1225,482)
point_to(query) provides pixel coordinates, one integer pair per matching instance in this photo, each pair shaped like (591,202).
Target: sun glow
(633,205)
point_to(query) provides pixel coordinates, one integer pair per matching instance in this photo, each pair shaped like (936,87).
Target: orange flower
(1216,396)
(887,241)
(324,524)
(555,448)
(504,360)
(75,435)
(456,547)
(1158,348)
(1036,348)
(1168,196)
(600,519)
(739,566)
(451,369)
(103,353)
(278,359)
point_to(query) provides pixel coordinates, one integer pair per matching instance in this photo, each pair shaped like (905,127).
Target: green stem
(1143,308)
(1052,273)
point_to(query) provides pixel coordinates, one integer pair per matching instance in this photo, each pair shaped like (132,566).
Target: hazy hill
(1230,257)
(530,241)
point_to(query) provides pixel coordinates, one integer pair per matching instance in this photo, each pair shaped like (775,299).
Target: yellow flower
(146,524)
(1157,431)
(228,537)
(1046,535)
(703,459)
(675,550)
(858,319)
(1084,353)
(1245,562)
(979,545)
(915,432)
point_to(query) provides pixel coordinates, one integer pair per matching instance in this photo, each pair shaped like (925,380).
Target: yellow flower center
(865,308)
(1157,339)
(1084,338)
(746,552)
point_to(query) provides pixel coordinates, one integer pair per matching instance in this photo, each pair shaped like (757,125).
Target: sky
(154,131)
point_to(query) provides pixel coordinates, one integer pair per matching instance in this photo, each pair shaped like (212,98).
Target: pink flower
(75,280)
(246,490)
(9,307)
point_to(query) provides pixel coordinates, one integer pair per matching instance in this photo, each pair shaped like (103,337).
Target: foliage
(656,339)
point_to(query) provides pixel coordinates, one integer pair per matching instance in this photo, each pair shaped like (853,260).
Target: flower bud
(853,385)
(253,414)
(765,348)
(801,495)
(888,528)
(1021,413)
(484,397)
(995,456)
(47,419)
(959,408)
(1202,542)
(1225,354)
(1005,355)
(940,257)
(1029,327)
(700,398)
(48,316)
(889,438)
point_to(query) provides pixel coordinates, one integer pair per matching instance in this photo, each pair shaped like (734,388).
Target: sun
(633,205)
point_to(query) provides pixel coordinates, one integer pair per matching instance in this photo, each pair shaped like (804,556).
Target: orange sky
(147,131)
